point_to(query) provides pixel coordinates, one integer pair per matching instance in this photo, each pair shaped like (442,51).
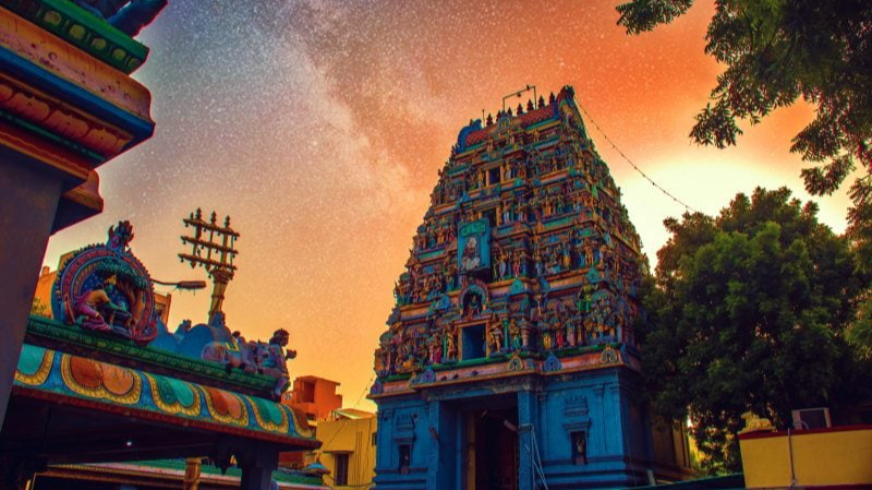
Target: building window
(579,447)
(472,342)
(374,438)
(405,458)
(493,176)
(491,216)
(341,473)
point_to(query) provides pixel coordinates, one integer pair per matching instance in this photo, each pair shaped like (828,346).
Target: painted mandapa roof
(79,381)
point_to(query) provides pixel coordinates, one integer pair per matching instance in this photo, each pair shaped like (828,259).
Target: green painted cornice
(84,30)
(73,339)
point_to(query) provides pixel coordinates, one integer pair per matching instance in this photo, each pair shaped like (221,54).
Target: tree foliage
(777,51)
(748,311)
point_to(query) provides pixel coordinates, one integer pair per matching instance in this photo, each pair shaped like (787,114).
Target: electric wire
(635,167)
(537,457)
(342,426)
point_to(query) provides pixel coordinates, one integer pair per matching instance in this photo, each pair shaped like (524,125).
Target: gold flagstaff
(213,249)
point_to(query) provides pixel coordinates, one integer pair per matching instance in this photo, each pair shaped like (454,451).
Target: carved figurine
(588,252)
(754,423)
(566,262)
(603,251)
(434,348)
(570,332)
(514,335)
(557,328)
(474,306)
(517,258)
(495,336)
(580,448)
(97,311)
(274,362)
(451,343)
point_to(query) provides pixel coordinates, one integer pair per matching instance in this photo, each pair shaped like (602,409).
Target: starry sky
(319,127)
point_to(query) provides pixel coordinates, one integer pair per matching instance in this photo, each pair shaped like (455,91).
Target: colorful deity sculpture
(107,289)
(525,264)
(273,358)
(495,336)
(96,311)
(517,209)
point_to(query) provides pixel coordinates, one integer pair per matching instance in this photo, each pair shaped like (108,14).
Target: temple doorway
(492,449)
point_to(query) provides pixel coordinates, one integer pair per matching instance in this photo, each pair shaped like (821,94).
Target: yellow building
(818,458)
(348,448)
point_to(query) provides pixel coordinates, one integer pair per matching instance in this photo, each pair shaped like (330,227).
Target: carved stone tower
(510,356)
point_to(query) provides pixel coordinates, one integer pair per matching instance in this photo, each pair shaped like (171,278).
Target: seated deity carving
(96,310)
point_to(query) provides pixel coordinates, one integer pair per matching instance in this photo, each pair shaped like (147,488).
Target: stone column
(528,418)
(258,463)
(193,467)
(617,435)
(28,202)
(442,446)
(68,108)
(601,414)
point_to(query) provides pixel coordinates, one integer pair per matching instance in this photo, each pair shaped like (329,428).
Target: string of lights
(635,167)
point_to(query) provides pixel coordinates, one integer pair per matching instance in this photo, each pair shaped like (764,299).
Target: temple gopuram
(510,360)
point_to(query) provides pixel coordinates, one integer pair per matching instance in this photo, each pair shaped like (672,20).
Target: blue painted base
(427,440)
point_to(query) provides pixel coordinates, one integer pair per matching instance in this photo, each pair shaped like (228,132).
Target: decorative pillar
(28,201)
(529,449)
(192,473)
(258,463)
(604,428)
(67,106)
(615,419)
(443,447)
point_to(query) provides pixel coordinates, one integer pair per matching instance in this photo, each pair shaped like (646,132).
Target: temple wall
(599,404)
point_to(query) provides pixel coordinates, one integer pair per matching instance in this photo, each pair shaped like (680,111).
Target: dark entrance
(492,449)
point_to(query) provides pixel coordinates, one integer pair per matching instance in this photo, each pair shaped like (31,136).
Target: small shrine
(104,381)
(510,358)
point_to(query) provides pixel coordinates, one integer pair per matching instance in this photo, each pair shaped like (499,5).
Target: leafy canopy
(777,51)
(747,311)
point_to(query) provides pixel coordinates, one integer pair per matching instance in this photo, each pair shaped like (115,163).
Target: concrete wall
(821,457)
(602,403)
(355,438)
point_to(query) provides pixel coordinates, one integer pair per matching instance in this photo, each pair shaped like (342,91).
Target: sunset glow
(319,127)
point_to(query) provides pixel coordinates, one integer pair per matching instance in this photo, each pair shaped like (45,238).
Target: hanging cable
(537,457)
(635,167)
(341,426)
